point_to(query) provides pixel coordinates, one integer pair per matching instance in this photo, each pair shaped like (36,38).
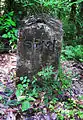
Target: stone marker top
(46,19)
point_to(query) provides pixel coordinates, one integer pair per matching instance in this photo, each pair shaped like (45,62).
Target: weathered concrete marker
(39,44)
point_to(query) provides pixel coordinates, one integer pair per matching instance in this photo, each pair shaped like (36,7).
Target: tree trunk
(81,9)
(79,28)
(73,11)
(8,5)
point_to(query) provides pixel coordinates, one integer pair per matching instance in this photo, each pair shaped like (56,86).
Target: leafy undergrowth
(48,92)
(73,53)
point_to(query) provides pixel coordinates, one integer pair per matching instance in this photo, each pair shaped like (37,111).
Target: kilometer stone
(39,44)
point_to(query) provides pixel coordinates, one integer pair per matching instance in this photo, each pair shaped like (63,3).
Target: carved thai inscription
(38,45)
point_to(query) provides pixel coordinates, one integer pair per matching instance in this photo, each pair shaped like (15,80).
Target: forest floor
(7,77)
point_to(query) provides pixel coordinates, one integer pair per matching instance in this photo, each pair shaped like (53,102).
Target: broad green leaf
(81,60)
(81,116)
(18,93)
(5,36)
(81,97)
(20,86)
(11,22)
(21,78)
(25,105)
(9,35)
(20,98)
(0,97)
(30,99)
(11,13)
(39,73)
(51,107)
(25,77)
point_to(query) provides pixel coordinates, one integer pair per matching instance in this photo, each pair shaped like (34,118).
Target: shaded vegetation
(47,88)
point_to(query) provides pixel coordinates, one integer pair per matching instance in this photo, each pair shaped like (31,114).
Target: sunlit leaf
(1,98)
(25,105)
(20,98)
(5,36)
